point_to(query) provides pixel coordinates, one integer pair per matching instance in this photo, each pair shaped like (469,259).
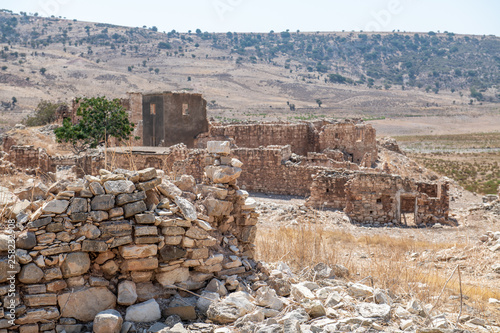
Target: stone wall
(301,137)
(356,141)
(123,238)
(30,158)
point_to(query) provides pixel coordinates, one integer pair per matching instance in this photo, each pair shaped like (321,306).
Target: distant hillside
(53,58)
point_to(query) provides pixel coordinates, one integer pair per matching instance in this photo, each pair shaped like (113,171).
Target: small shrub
(45,113)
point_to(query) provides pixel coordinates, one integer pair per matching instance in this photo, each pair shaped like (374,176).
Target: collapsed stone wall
(126,237)
(379,198)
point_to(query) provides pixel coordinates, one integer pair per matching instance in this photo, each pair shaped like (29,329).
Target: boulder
(127,293)
(26,240)
(30,274)
(186,183)
(85,304)
(222,174)
(231,308)
(108,321)
(76,263)
(143,312)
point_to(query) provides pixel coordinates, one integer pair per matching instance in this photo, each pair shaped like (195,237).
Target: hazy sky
(459,16)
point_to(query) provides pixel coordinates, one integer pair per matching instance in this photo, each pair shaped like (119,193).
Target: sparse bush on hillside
(101,119)
(164,46)
(45,113)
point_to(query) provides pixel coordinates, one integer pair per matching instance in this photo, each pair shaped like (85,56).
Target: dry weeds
(407,267)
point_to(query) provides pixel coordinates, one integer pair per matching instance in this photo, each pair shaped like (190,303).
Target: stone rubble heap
(130,241)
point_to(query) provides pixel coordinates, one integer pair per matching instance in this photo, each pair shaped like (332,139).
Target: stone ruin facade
(121,240)
(380,199)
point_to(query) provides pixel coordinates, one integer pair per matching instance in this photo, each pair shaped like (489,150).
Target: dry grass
(384,261)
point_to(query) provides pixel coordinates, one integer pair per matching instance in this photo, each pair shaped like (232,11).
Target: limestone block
(138,251)
(177,275)
(187,208)
(134,208)
(103,202)
(149,185)
(123,199)
(148,311)
(78,205)
(30,274)
(96,188)
(75,264)
(219,147)
(119,187)
(127,293)
(108,321)
(55,207)
(85,304)
(169,190)
(222,174)
(147,174)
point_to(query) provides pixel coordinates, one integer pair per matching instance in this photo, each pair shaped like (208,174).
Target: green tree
(14,101)
(43,70)
(45,113)
(319,102)
(101,119)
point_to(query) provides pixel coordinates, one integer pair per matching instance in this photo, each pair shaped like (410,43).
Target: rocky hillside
(248,74)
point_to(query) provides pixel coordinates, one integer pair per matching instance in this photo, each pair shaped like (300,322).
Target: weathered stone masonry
(380,198)
(126,237)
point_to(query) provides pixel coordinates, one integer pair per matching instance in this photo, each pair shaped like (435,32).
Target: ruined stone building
(163,119)
(335,164)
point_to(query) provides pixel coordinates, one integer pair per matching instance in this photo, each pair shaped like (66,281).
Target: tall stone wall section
(301,137)
(378,198)
(121,239)
(267,170)
(357,141)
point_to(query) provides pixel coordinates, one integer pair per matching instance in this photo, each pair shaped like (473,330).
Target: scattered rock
(148,311)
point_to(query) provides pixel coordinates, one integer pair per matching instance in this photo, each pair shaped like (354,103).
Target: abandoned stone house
(334,164)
